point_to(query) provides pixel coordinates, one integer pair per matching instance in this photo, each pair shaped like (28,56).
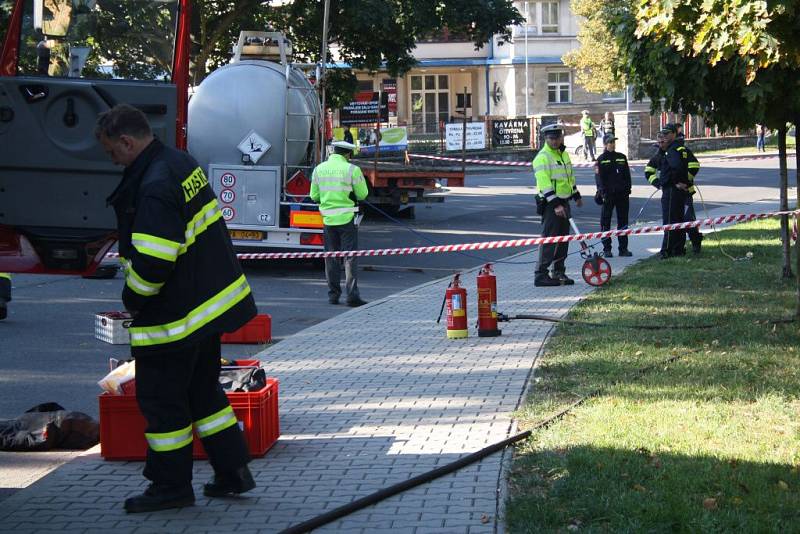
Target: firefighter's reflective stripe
(5,275)
(158,247)
(208,426)
(169,441)
(651,173)
(140,285)
(200,316)
(694,165)
(338,211)
(204,218)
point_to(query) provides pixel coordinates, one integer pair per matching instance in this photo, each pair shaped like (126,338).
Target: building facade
(519,79)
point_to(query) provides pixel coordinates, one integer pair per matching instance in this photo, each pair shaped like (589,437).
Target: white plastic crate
(112,327)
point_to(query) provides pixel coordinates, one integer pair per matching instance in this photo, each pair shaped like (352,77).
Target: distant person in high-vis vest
(184,288)
(5,294)
(337,185)
(588,132)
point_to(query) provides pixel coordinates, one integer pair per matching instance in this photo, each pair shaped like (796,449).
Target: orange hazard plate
(247,235)
(305,219)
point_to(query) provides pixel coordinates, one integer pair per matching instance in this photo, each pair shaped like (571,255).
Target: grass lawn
(708,443)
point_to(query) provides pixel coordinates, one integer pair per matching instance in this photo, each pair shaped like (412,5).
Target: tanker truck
(253,128)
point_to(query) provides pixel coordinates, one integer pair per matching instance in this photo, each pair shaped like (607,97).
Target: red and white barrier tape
(490,161)
(510,243)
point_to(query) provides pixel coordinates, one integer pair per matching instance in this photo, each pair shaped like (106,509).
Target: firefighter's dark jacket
(673,168)
(182,279)
(612,173)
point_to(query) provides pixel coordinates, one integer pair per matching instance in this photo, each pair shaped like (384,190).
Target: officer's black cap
(608,138)
(669,128)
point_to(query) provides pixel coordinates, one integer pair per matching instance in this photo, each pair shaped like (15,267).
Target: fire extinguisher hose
(546,318)
(387,492)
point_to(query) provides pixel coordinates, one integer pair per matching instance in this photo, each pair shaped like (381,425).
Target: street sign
(511,132)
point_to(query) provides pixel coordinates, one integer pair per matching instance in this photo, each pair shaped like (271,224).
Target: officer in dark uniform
(613,177)
(673,178)
(693,168)
(184,287)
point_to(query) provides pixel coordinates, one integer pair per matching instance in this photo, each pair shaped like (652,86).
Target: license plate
(247,235)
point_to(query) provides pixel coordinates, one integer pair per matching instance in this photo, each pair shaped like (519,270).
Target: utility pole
(527,90)
(464,136)
(323,62)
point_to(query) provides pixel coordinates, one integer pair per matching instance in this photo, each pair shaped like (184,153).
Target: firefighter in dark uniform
(613,177)
(693,168)
(555,182)
(5,294)
(673,179)
(184,287)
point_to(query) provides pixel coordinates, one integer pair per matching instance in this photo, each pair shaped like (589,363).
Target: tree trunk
(784,185)
(797,207)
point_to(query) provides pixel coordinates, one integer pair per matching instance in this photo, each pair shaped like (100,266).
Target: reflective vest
(554,177)
(332,183)
(182,278)
(587,127)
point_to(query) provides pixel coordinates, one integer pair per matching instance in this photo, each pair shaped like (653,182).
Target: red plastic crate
(257,330)
(122,424)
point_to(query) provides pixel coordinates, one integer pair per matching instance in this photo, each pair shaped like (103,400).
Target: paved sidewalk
(368,399)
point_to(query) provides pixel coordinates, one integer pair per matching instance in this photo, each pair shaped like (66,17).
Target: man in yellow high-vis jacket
(555,182)
(5,294)
(337,185)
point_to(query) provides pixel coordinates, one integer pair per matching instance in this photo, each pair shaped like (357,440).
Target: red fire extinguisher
(456,302)
(487,302)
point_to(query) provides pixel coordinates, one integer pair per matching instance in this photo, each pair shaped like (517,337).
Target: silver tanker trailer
(253,128)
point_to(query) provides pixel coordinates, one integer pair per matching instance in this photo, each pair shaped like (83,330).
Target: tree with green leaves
(742,58)
(595,60)
(368,33)
(733,62)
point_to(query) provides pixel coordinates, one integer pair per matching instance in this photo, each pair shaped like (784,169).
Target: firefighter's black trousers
(5,287)
(555,254)
(694,233)
(619,201)
(673,204)
(179,392)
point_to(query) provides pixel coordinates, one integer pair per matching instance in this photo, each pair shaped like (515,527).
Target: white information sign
(476,135)
(254,145)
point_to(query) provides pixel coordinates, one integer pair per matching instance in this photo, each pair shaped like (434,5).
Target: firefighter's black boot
(232,483)
(160,497)
(3,309)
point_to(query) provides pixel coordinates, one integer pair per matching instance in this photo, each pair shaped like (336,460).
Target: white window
(614,97)
(550,17)
(527,10)
(533,11)
(559,87)
(430,102)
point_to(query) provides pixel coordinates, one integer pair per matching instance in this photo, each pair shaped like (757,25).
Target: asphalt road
(47,347)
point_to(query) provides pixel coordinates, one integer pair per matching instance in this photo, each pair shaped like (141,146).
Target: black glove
(598,198)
